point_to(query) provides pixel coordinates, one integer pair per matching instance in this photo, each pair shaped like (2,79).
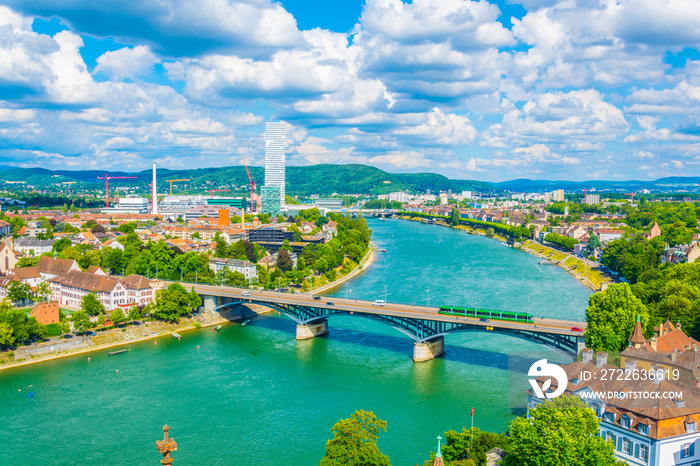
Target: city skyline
(487,91)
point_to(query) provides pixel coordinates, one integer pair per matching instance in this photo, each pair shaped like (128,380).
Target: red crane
(107,178)
(631,198)
(212,191)
(252,187)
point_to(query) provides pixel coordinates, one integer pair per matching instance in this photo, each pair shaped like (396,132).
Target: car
(576,329)
(330,303)
(379,302)
(317,298)
(483,319)
(245,293)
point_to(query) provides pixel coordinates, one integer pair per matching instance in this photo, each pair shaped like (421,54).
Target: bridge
(354,211)
(422,324)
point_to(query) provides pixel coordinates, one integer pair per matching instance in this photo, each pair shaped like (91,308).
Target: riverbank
(116,337)
(576,267)
(362,266)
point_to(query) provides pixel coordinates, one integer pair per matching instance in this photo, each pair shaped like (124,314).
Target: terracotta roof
(87,281)
(136,282)
(675,340)
(25,273)
(57,266)
(637,335)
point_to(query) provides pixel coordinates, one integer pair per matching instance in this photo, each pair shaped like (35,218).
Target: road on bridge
(561,327)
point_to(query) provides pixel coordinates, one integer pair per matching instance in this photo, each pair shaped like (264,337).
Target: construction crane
(173,181)
(212,191)
(631,195)
(107,178)
(252,187)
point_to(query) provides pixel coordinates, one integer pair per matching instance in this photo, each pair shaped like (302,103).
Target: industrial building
(129,205)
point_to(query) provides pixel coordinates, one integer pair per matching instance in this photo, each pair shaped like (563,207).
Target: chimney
(659,373)
(154,193)
(674,355)
(601,358)
(631,365)
(678,325)
(652,342)
(586,355)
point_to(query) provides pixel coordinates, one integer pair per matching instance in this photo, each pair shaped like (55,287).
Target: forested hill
(315,179)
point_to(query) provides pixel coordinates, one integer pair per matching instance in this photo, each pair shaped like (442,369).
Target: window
(626,446)
(643,429)
(644,452)
(691,427)
(610,417)
(625,421)
(687,450)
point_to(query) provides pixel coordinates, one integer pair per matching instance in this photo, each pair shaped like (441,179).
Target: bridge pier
(312,330)
(429,349)
(209,302)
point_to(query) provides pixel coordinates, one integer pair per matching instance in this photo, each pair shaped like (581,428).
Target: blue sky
(542,89)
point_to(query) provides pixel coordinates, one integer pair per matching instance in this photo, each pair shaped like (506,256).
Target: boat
(246,322)
(382,219)
(217,328)
(176,335)
(112,353)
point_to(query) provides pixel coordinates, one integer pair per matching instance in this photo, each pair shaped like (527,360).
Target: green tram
(487,313)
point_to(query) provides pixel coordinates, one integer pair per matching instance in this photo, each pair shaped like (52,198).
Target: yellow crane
(173,181)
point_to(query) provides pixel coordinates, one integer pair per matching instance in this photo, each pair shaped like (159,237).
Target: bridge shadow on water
(396,343)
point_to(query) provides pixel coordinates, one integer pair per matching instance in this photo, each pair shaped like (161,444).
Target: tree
(81,321)
(6,337)
(27,262)
(286,245)
(561,432)
(284,261)
(65,208)
(354,442)
(172,302)
(91,305)
(117,316)
(101,320)
(44,290)
(593,241)
(134,313)
(611,317)
(455,217)
(459,449)
(18,292)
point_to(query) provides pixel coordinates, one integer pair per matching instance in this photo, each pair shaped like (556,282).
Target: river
(254,394)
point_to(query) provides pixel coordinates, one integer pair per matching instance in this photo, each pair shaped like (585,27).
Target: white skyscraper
(274,156)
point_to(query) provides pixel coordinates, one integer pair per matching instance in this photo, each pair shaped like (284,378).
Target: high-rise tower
(274,156)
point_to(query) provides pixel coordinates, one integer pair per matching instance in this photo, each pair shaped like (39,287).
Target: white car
(245,293)
(379,302)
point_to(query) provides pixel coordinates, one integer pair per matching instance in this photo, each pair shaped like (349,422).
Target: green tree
(117,316)
(81,321)
(562,432)
(172,302)
(28,262)
(44,290)
(459,448)
(284,261)
(134,313)
(65,208)
(91,305)
(593,241)
(101,320)
(611,316)
(195,300)
(18,292)
(6,336)
(354,442)
(455,217)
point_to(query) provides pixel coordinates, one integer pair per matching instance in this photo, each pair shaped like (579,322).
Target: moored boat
(112,353)
(217,328)
(176,335)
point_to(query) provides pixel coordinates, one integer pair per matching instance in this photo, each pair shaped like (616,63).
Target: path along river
(254,394)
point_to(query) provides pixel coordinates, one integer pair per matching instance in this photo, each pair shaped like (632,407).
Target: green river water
(253,394)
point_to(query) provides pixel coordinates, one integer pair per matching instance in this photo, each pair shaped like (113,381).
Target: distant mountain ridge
(327,179)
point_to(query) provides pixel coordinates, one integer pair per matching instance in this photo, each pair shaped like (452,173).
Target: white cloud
(126,62)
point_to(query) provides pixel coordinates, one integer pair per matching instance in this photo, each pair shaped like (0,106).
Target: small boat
(176,335)
(217,328)
(246,322)
(30,394)
(112,353)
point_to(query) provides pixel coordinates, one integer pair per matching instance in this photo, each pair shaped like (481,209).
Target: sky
(541,89)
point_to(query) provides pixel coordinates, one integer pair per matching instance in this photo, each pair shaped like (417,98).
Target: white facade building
(592,199)
(129,205)
(399,196)
(274,156)
(246,268)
